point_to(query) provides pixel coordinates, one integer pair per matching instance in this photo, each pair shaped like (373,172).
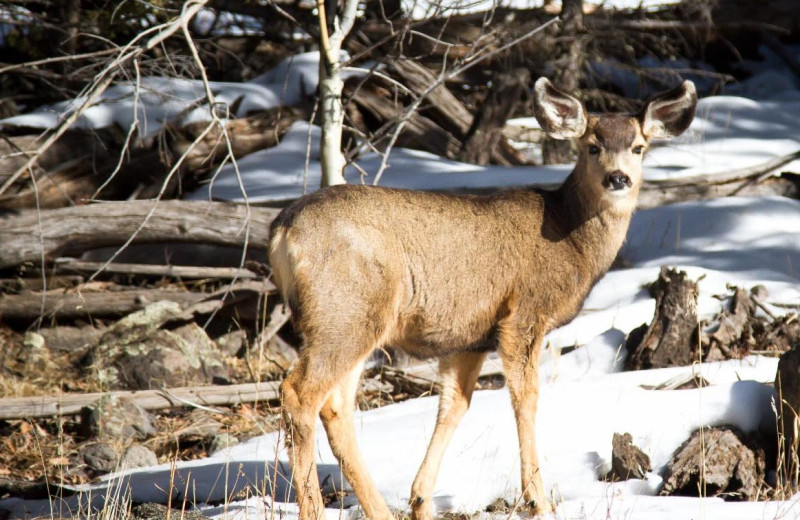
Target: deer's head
(611,147)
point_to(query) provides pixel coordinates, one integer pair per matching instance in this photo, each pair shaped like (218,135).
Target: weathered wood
(627,460)
(654,194)
(212,395)
(88,304)
(76,146)
(71,404)
(28,306)
(443,107)
(672,339)
(171,271)
(73,230)
(715,461)
(749,173)
(420,132)
(723,343)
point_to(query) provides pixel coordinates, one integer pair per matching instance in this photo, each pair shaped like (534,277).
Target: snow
(585,397)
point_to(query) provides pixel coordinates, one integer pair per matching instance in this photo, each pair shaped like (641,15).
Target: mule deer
(452,277)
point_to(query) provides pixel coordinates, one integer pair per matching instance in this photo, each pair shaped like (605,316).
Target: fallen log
(445,109)
(29,235)
(486,139)
(71,404)
(29,306)
(654,194)
(198,396)
(420,132)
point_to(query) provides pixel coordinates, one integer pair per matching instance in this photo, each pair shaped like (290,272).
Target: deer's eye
(638,150)
(594,150)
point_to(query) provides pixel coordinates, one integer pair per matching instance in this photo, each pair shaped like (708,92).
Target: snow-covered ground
(584,397)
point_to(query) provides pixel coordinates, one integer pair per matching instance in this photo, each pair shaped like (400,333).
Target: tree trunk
(672,339)
(330,89)
(567,72)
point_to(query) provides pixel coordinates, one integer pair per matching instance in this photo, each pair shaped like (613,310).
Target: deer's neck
(595,230)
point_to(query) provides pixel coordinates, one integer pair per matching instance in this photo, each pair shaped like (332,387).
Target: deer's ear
(671,113)
(561,115)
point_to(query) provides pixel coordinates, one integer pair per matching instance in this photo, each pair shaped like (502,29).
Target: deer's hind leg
(323,383)
(301,400)
(337,416)
(458,374)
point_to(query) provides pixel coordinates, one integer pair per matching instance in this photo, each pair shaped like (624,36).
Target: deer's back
(441,269)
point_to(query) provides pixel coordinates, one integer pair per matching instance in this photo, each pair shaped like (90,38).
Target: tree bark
(28,236)
(672,339)
(331,155)
(330,89)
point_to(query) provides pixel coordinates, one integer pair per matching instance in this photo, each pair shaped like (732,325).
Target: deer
(452,277)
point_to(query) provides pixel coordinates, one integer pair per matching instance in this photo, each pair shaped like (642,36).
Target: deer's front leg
(458,374)
(521,361)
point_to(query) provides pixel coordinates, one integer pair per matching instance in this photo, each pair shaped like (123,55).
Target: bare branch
(443,77)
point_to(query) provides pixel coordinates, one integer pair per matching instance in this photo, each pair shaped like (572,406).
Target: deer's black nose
(617,180)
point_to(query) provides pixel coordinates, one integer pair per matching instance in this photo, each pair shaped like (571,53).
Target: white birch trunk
(330,91)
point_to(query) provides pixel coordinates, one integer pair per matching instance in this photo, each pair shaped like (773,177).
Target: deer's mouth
(617,181)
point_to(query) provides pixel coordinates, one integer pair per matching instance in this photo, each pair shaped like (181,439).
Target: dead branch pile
(105,164)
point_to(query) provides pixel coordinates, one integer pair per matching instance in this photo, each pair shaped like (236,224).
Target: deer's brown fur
(452,277)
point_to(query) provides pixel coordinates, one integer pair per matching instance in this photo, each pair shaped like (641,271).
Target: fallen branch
(71,404)
(29,306)
(73,230)
(682,25)
(171,271)
(729,176)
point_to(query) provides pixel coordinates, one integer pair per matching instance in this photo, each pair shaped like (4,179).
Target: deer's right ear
(561,115)
(670,114)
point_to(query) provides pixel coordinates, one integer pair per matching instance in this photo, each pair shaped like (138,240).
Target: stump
(672,338)
(627,460)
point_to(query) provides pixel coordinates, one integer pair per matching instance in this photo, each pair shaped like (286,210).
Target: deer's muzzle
(617,180)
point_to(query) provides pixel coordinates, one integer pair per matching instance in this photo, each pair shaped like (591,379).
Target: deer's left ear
(561,115)
(671,113)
